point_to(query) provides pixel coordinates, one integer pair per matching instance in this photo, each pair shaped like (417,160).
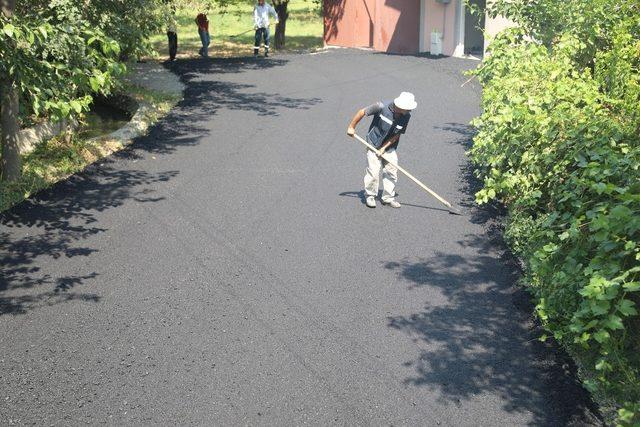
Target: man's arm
(389,142)
(255,17)
(351,130)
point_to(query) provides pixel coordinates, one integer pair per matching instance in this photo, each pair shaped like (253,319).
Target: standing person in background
(261,24)
(172,32)
(203,31)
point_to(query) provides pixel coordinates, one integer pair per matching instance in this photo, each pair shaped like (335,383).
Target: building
(409,26)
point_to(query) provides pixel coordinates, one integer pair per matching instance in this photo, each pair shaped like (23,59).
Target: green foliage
(590,21)
(559,143)
(59,157)
(56,60)
(130,22)
(59,52)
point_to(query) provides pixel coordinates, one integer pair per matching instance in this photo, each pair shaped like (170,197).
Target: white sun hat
(406,101)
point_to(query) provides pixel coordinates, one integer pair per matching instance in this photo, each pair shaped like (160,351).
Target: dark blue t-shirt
(385,124)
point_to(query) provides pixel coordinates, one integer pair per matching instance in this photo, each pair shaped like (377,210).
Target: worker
(261,14)
(390,120)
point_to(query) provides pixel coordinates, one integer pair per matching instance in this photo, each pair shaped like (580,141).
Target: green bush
(56,61)
(559,143)
(61,52)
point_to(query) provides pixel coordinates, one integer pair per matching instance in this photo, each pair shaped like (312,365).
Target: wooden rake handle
(411,177)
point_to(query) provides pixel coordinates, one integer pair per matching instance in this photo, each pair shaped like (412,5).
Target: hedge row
(558,143)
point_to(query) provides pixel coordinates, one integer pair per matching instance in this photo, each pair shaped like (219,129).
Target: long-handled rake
(245,32)
(411,177)
(239,34)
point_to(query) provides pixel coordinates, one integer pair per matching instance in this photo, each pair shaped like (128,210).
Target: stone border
(150,76)
(29,138)
(137,126)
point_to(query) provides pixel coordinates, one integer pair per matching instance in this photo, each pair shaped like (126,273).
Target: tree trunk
(281,10)
(10,164)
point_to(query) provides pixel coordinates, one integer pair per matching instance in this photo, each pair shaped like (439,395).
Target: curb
(137,126)
(29,138)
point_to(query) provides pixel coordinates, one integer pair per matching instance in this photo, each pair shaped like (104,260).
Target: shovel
(411,177)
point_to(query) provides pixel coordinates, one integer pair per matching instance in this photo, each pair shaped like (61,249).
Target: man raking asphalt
(389,122)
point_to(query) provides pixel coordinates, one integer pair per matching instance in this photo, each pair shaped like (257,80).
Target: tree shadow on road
(484,338)
(56,224)
(59,222)
(490,215)
(205,94)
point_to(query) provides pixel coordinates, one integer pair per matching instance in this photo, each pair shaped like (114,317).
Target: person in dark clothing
(390,120)
(172,34)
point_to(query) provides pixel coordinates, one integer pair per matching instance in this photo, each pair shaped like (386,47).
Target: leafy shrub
(60,52)
(559,143)
(56,60)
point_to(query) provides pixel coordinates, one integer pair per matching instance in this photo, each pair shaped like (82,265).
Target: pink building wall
(384,25)
(349,23)
(442,18)
(401,26)
(397,25)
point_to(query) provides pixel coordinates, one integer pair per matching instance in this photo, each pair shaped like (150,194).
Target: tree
(281,9)
(129,22)
(9,105)
(56,54)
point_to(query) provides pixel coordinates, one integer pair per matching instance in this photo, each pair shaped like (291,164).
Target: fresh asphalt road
(224,270)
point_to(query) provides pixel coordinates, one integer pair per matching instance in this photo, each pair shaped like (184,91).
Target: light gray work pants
(389,175)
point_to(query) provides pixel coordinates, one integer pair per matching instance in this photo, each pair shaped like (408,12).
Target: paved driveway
(226,271)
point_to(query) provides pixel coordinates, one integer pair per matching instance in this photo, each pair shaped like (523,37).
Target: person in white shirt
(261,24)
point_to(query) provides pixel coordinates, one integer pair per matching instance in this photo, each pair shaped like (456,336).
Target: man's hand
(351,130)
(380,152)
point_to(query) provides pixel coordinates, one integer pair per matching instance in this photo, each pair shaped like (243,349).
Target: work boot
(371,201)
(392,203)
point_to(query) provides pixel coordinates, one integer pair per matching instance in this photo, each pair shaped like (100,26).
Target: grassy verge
(304,30)
(62,156)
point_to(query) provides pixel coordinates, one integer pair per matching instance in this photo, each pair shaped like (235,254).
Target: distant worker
(172,32)
(390,120)
(261,24)
(203,31)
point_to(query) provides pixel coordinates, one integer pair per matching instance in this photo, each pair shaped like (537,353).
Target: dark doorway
(474,27)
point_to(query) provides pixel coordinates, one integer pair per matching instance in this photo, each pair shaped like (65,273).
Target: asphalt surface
(224,270)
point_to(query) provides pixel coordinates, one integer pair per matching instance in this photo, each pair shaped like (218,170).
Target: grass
(304,30)
(62,156)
